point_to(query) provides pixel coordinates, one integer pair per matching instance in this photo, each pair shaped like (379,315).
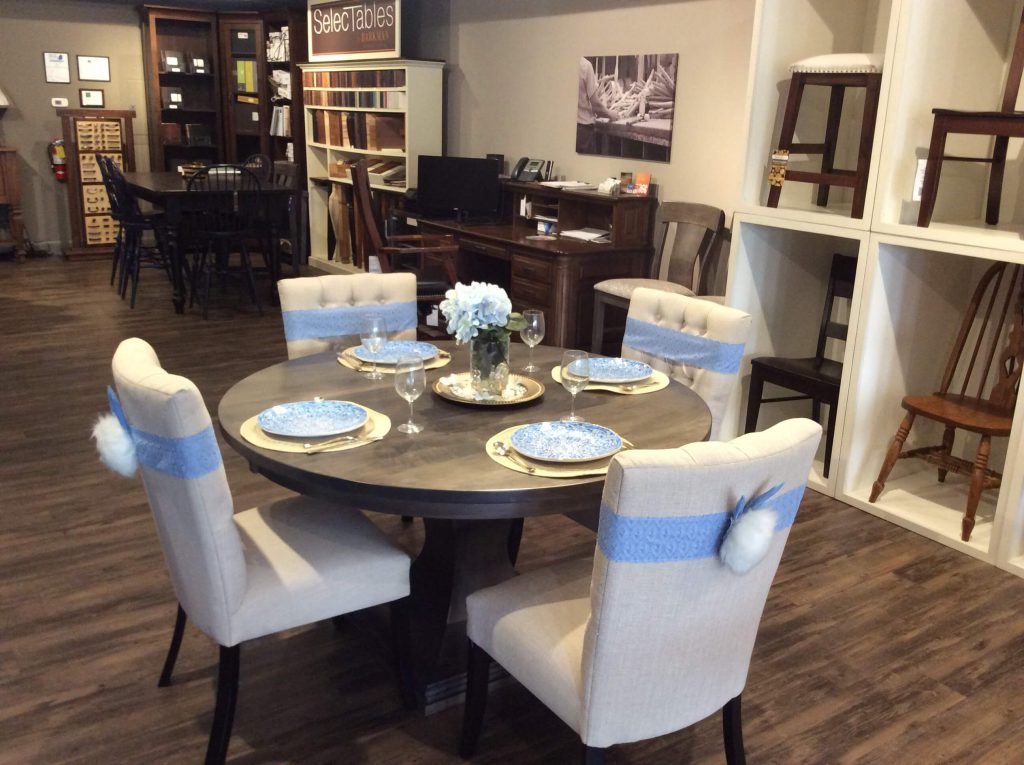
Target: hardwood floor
(876,645)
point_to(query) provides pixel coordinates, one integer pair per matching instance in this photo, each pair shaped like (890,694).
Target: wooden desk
(556,276)
(10,196)
(467,501)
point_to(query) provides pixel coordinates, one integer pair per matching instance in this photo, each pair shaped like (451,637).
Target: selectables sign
(345,30)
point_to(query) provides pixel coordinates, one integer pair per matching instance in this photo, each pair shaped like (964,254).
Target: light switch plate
(58,102)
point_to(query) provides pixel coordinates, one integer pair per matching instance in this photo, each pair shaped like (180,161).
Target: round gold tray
(534,389)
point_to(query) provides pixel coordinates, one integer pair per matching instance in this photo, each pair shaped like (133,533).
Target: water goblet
(575,375)
(410,381)
(532,334)
(373,332)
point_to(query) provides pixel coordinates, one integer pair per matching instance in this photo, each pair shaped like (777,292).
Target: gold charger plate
(534,390)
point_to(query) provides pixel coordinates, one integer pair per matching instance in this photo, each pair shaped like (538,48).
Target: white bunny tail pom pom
(115,446)
(748,540)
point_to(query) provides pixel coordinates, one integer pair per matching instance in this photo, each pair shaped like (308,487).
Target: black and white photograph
(626,105)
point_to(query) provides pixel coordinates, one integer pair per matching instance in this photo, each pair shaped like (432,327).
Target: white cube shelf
(951,54)
(913,304)
(787,31)
(779,275)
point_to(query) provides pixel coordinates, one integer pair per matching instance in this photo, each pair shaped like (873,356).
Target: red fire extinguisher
(58,160)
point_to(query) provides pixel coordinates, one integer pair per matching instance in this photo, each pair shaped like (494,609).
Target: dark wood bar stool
(838,72)
(1002,125)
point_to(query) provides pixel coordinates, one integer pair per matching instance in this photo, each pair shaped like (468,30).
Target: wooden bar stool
(838,72)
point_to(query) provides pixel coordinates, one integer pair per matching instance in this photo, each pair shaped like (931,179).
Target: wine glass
(532,334)
(373,332)
(575,374)
(410,380)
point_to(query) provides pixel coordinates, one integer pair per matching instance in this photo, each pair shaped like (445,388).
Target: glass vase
(488,362)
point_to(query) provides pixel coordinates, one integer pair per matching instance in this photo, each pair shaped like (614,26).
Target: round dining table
(472,507)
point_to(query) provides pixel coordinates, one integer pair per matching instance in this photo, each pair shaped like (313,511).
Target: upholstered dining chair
(321,311)
(1002,125)
(239,576)
(693,341)
(655,632)
(690,232)
(978,391)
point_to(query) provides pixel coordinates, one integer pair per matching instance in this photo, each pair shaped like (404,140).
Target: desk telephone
(527,170)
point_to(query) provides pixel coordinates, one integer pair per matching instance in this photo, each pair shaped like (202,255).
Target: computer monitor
(463,187)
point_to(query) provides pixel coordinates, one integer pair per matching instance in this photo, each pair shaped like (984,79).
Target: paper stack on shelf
(571,185)
(585,234)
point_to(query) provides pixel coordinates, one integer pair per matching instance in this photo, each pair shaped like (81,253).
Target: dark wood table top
(444,472)
(504,234)
(168,182)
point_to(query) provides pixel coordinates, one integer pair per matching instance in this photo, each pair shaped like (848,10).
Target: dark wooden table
(168,190)
(469,503)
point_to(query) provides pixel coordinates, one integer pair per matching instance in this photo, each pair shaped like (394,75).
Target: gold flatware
(505,451)
(343,441)
(636,386)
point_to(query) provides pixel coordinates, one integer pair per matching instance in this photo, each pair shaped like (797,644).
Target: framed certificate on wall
(94,68)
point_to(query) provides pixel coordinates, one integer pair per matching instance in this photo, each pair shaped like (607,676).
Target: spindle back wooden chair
(978,391)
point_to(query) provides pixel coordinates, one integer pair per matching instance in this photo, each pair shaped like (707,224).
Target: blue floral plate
(394,350)
(312,419)
(565,441)
(616,371)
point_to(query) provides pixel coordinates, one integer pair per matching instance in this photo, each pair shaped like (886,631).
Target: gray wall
(77,27)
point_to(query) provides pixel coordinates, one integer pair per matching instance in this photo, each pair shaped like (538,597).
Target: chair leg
(476,699)
(892,455)
(977,486)
(754,399)
(833,407)
(796,92)
(224,711)
(172,651)
(250,278)
(816,410)
(118,243)
(947,447)
(136,245)
(593,755)
(828,158)
(932,171)
(515,539)
(995,180)
(867,136)
(732,732)
(597,330)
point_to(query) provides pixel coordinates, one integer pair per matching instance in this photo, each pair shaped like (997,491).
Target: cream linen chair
(655,633)
(321,311)
(240,576)
(684,266)
(696,342)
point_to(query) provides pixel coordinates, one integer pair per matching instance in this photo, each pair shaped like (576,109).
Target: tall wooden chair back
(690,234)
(1003,125)
(978,391)
(369,226)
(840,285)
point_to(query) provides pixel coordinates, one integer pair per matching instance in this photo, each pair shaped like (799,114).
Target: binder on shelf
(171,98)
(247,118)
(243,43)
(196,64)
(170,132)
(172,61)
(197,134)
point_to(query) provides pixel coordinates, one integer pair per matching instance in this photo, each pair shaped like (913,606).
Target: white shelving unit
(405,94)
(913,284)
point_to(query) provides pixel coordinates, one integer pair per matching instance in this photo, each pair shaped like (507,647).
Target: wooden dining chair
(817,377)
(978,390)
(320,312)
(432,258)
(240,576)
(684,265)
(837,72)
(1003,125)
(656,631)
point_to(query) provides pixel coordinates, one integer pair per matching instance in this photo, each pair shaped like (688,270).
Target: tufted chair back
(322,311)
(695,342)
(187,488)
(671,628)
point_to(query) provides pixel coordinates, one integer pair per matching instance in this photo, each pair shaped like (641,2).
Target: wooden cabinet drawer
(529,268)
(483,248)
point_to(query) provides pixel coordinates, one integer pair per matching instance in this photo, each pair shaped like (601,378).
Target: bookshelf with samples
(285,49)
(385,112)
(244,86)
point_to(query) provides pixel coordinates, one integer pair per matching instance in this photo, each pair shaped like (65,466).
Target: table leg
(177,267)
(458,558)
